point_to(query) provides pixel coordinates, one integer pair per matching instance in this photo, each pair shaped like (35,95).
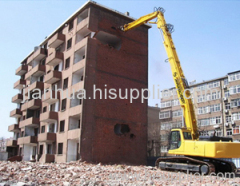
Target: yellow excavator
(192,152)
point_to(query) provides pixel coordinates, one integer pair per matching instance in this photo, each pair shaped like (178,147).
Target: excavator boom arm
(181,84)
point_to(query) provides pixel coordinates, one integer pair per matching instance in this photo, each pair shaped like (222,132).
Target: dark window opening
(67,63)
(60,148)
(65,83)
(44,109)
(56,67)
(132,136)
(64,103)
(62,125)
(41,78)
(43,61)
(79,123)
(69,43)
(43,129)
(121,129)
(70,27)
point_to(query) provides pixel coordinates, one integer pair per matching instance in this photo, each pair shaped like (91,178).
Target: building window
(229,132)
(214,84)
(177,113)
(202,87)
(215,120)
(235,102)
(43,129)
(225,81)
(71,24)
(236,116)
(163,148)
(227,106)
(215,108)
(166,126)
(164,137)
(234,77)
(163,115)
(62,126)
(69,43)
(65,83)
(201,98)
(44,109)
(235,130)
(228,119)
(203,122)
(67,63)
(64,103)
(166,104)
(175,102)
(60,148)
(226,93)
(234,89)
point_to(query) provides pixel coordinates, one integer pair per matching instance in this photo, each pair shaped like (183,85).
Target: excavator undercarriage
(202,165)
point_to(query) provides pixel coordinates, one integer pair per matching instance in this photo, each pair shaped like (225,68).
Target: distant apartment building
(86,50)
(217,108)
(3,144)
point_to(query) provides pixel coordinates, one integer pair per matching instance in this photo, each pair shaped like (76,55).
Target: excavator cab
(177,136)
(174,140)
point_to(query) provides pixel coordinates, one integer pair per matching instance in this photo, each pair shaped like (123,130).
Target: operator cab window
(175,140)
(187,135)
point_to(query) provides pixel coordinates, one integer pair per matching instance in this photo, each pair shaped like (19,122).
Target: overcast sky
(207,39)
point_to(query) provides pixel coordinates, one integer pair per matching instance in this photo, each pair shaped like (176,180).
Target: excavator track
(185,164)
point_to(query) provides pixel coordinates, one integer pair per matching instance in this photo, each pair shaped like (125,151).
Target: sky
(206,37)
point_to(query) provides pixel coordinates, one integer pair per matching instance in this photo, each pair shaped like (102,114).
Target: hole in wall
(109,39)
(120,129)
(132,136)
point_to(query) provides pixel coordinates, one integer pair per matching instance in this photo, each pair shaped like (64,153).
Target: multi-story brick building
(217,108)
(86,50)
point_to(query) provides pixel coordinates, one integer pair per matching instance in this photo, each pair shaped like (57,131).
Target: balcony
(74,134)
(54,58)
(76,110)
(47,137)
(16,113)
(53,77)
(81,44)
(56,40)
(36,85)
(83,24)
(17,98)
(20,84)
(51,97)
(50,116)
(27,140)
(30,122)
(32,104)
(39,54)
(21,70)
(38,70)
(12,143)
(13,128)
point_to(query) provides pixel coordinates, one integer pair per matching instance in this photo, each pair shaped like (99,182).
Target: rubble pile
(82,173)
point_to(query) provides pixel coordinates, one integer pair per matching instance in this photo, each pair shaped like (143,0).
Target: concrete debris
(82,173)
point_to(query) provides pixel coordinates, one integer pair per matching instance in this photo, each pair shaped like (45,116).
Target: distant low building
(153,131)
